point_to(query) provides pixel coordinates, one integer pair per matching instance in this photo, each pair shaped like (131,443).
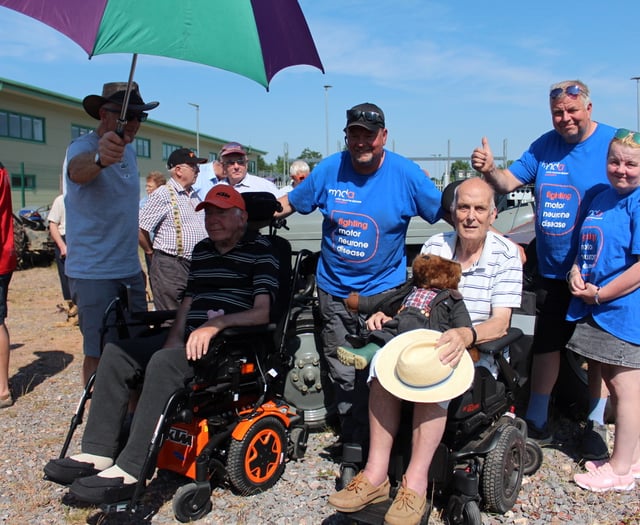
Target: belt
(160,252)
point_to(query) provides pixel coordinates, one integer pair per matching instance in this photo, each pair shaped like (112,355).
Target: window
(78,131)
(24,127)
(168,149)
(143,147)
(29,182)
(251,166)
(212,156)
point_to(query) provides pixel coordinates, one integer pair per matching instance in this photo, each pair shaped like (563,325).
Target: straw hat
(409,367)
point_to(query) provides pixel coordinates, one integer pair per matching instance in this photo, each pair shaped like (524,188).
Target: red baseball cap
(223,196)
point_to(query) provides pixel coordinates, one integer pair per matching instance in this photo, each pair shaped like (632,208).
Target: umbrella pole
(122,121)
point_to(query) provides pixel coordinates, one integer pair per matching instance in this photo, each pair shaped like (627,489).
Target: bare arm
(176,333)
(287,208)
(502,180)
(625,283)
(198,342)
(460,338)
(144,240)
(57,238)
(82,168)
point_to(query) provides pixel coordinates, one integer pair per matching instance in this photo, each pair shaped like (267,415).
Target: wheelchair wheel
(347,473)
(470,514)
(183,506)
(257,462)
(298,442)
(533,457)
(503,470)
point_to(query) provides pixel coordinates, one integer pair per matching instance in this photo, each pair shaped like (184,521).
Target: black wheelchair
(243,413)
(483,455)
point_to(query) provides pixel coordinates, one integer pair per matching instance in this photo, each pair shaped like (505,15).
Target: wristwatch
(96,159)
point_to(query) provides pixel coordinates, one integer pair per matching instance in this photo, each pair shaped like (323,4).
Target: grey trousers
(350,385)
(122,365)
(168,278)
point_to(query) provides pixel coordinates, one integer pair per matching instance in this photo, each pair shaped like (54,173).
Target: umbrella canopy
(253,38)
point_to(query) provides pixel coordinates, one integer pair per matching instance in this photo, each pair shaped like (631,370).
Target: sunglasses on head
(239,162)
(571,91)
(140,117)
(623,133)
(368,116)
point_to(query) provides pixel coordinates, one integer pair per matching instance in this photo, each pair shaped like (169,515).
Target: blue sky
(444,73)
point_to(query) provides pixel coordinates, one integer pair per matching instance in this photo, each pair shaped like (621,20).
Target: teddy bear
(430,299)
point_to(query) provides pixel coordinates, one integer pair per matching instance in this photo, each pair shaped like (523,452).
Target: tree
(459,165)
(310,157)
(262,164)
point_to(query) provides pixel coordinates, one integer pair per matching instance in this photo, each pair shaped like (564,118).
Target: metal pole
(637,79)
(326,116)
(197,106)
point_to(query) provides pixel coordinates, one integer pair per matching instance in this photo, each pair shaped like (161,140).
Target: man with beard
(367,196)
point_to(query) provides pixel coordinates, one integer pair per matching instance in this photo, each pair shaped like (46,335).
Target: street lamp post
(197,106)
(637,79)
(326,116)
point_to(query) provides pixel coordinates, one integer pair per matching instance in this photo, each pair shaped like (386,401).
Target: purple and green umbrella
(253,38)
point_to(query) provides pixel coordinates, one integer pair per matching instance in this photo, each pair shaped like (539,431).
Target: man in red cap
(233,273)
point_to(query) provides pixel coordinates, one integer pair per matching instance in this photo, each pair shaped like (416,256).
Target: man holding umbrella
(101,200)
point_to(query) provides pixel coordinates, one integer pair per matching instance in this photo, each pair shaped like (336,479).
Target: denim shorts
(93,297)
(592,342)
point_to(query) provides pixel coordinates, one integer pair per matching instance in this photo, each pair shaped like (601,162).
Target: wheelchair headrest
(261,205)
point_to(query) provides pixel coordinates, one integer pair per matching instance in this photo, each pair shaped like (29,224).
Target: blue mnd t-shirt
(567,177)
(365,220)
(609,245)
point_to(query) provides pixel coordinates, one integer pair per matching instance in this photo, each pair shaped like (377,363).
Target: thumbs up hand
(482,158)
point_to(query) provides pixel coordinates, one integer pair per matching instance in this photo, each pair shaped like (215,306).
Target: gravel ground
(45,373)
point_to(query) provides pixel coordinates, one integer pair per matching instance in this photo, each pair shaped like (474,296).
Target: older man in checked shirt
(177,227)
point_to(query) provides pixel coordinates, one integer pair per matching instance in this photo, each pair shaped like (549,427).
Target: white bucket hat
(409,367)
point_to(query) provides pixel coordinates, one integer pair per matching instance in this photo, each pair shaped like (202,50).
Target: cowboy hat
(409,367)
(114,92)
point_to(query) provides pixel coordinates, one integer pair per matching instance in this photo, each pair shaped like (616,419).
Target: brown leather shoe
(358,494)
(407,507)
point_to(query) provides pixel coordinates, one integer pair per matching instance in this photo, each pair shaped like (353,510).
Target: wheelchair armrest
(241,331)
(497,345)
(154,316)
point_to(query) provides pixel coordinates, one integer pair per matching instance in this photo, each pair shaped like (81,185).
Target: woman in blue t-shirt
(605,283)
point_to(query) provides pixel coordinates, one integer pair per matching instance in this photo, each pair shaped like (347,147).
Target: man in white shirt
(233,158)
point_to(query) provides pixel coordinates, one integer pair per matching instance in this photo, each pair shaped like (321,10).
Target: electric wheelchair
(484,453)
(232,422)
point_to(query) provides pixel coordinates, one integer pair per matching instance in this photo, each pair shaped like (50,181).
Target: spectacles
(140,117)
(571,91)
(368,116)
(194,167)
(623,133)
(239,162)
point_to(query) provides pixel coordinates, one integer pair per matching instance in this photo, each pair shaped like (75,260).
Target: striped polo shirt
(494,281)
